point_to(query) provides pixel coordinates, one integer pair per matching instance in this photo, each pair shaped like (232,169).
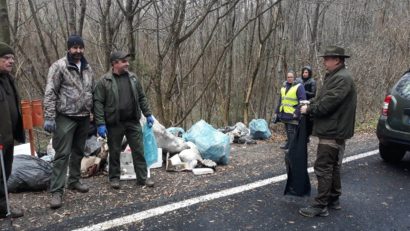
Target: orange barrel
(26,111)
(37,113)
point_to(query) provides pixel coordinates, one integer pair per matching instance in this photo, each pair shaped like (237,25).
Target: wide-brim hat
(334,51)
(119,55)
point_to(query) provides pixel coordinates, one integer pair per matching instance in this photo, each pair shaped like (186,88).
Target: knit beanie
(5,49)
(74,40)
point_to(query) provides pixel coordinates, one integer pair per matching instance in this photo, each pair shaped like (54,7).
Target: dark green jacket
(6,130)
(106,103)
(334,107)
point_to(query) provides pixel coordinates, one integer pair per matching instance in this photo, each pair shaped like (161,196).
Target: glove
(150,120)
(49,125)
(275,118)
(304,109)
(102,130)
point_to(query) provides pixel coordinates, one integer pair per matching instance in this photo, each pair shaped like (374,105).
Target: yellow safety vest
(289,99)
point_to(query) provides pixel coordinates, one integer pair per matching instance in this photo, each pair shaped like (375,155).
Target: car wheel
(391,154)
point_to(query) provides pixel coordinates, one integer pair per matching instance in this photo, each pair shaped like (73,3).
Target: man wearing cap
(119,100)
(333,111)
(67,106)
(11,123)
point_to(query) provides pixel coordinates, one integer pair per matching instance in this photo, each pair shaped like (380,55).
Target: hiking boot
(56,200)
(115,183)
(78,186)
(148,182)
(334,205)
(14,213)
(284,146)
(313,211)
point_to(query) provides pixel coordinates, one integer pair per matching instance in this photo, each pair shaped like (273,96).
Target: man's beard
(76,56)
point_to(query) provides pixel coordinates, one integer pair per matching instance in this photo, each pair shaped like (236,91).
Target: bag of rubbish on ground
(165,140)
(150,145)
(92,146)
(259,129)
(176,131)
(90,165)
(211,143)
(191,153)
(237,132)
(29,174)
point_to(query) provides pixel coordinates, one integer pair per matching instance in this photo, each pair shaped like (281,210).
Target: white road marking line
(182,204)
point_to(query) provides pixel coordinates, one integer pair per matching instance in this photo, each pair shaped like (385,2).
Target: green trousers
(69,143)
(327,169)
(132,130)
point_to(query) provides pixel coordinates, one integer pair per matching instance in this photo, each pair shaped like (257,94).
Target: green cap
(5,49)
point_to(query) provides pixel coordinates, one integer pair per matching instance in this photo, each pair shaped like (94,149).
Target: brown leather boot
(78,186)
(56,200)
(148,182)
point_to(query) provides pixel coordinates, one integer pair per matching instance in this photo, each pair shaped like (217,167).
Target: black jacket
(310,87)
(7,135)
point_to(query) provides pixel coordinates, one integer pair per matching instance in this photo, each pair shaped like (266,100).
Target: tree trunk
(71,17)
(4,22)
(83,7)
(313,41)
(40,35)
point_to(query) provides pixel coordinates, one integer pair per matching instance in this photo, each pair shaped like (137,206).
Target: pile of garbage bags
(240,134)
(200,150)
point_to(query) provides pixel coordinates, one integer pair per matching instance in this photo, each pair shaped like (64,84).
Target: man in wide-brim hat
(333,111)
(334,51)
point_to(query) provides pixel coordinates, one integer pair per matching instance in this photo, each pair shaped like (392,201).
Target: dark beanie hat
(5,49)
(74,40)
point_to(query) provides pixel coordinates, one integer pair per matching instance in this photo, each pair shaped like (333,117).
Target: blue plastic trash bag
(211,143)
(176,131)
(150,146)
(259,129)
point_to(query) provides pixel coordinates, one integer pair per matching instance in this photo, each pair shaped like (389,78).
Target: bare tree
(263,36)
(40,35)
(4,22)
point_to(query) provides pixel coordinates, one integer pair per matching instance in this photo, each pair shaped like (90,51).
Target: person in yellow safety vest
(288,110)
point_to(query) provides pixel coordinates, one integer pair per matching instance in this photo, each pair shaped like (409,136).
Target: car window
(403,86)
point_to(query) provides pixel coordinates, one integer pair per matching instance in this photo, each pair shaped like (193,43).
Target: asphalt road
(375,197)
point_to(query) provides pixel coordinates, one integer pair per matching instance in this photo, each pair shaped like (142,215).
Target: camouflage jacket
(69,90)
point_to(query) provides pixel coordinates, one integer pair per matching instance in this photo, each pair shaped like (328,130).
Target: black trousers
(8,162)
(290,133)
